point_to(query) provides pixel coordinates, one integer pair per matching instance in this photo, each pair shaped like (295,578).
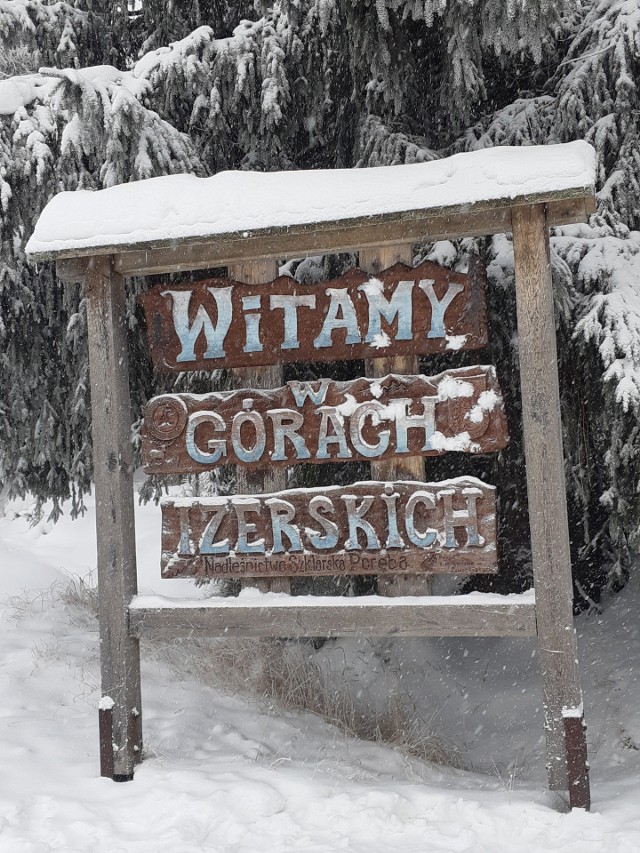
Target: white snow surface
(176,207)
(230,773)
(254,598)
(15,94)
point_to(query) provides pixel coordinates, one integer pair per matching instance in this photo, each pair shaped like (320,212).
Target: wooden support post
(113,474)
(566,745)
(404,468)
(272,479)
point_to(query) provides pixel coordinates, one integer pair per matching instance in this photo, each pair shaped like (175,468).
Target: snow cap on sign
(177,207)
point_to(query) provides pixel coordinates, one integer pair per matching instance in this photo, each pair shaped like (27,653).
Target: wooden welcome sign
(364,528)
(403,310)
(325,421)
(394,527)
(368,528)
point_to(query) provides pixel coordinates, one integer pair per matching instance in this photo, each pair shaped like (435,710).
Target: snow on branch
(612,318)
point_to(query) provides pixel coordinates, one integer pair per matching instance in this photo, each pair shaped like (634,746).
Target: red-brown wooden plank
(221,323)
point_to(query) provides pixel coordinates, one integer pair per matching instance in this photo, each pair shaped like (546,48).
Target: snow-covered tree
(64,129)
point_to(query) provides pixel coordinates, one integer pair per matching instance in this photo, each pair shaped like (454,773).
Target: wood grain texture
(72,270)
(272,376)
(450,223)
(545,481)
(443,618)
(409,467)
(363,419)
(113,475)
(435,310)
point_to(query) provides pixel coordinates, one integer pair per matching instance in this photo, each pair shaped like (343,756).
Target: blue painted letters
(188,334)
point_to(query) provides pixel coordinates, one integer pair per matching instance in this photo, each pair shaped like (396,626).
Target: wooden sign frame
(124,617)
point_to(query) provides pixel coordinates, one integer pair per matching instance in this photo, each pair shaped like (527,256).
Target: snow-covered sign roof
(168,212)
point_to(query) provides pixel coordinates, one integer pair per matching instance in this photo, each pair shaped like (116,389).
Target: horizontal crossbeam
(163,256)
(269,615)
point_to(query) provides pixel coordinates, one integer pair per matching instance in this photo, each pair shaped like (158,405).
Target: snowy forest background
(93,94)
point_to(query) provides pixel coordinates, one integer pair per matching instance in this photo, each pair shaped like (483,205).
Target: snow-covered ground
(228,772)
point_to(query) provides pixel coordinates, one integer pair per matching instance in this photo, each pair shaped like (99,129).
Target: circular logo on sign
(166,417)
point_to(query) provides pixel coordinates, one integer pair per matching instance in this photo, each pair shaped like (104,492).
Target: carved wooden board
(326,421)
(367,528)
(403,310)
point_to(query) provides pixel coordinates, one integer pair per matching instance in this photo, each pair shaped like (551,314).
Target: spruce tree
(70,129)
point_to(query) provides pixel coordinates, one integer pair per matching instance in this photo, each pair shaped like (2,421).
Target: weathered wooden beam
(452,222)
(372,616)
(372,232)
(406,468)
(113,475)
(72,270)
(546,488)
(252,481)
(341,236)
